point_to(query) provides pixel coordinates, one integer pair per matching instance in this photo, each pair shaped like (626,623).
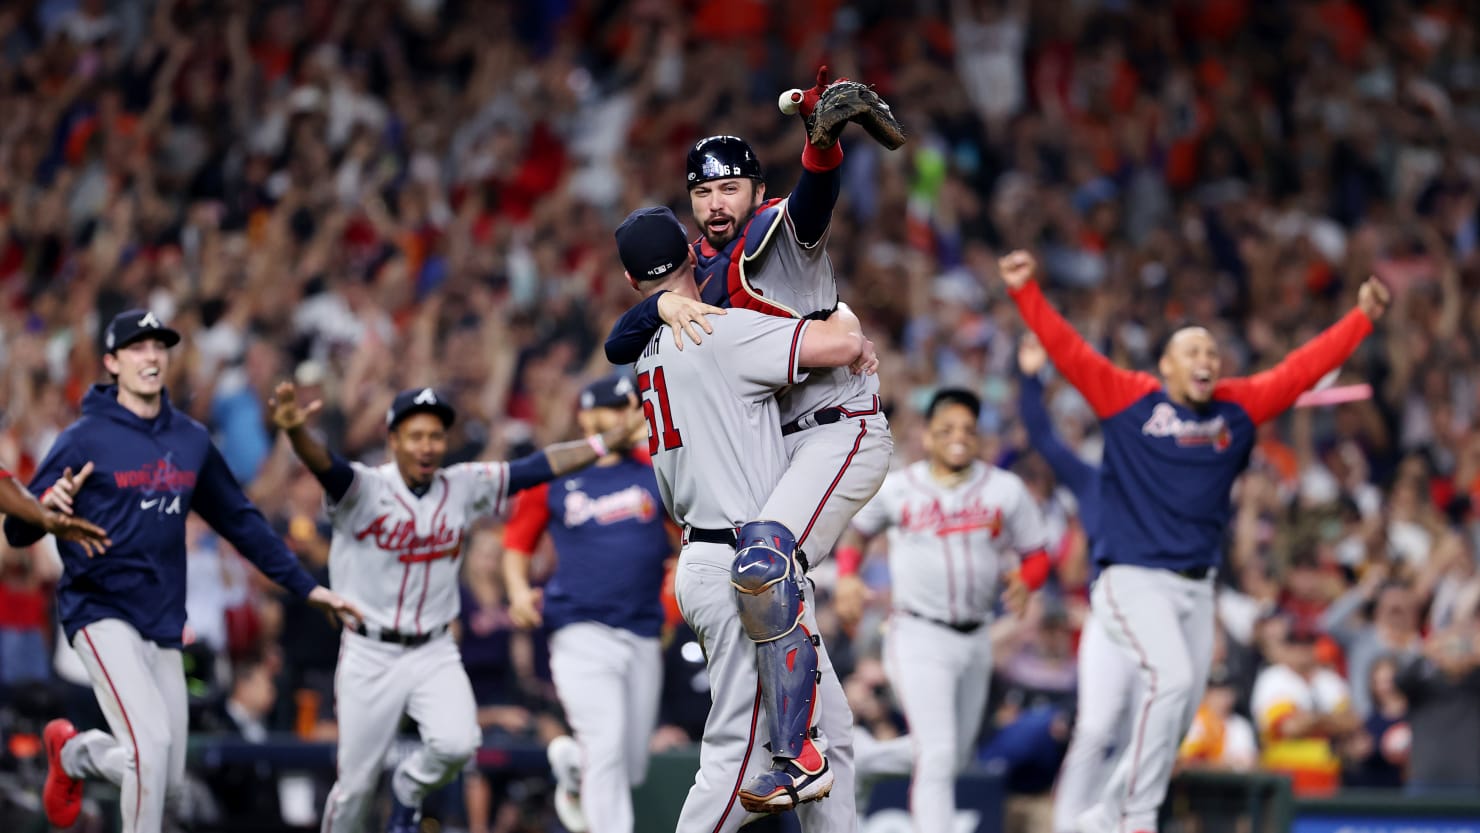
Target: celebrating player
(718,451)
(398,532)
(1173,448)
(1106,674)
(603,611)
(956,524)
(769,256)
(124,612)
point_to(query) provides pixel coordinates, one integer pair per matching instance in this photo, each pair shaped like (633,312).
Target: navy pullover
(148,474)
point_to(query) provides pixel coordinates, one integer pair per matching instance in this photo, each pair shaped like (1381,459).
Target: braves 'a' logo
(1164,422)
(400,537)
(933,518)
(631,502)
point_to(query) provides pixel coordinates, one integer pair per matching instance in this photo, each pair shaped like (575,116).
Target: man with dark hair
(125,613)
(956,527)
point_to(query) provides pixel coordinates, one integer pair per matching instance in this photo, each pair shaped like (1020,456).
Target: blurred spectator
(1391,631)
(1443,690)
(1377,756)
(1301,710)
(25,615)
(247,794)
(1219,738)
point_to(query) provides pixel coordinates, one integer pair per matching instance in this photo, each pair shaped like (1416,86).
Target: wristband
(598,445)
(848,560)
(818,160)
(1034,571)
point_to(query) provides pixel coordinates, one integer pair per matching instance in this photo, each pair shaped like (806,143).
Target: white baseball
(789,102)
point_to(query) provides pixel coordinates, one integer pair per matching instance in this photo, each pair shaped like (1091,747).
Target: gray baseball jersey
(947,546)
(779,271)
(713,404)
(396,555)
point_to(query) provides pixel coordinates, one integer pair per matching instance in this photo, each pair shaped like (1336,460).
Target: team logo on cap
(624,386)
(426,397)
(150,321)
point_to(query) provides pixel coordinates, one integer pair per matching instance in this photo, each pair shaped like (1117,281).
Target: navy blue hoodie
(148,474)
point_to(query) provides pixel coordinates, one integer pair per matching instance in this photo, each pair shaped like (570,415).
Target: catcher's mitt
(845,101)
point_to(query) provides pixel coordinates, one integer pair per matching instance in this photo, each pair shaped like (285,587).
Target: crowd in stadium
(369,195)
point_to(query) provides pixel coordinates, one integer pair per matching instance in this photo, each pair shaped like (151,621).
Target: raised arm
(1073,472)
(1266,395)
(563,458)
(331,470)
(1107,388)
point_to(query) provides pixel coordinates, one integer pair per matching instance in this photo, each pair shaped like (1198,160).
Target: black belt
(410,640)
(826,416)
(958,627)
(1195,573)
(729,538)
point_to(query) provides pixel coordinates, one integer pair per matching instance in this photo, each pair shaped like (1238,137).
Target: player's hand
(1017,268)
(524,607)
(868,362)
(1015,595)
(686,316)
(1373,298)
(336,606)
(1031,355)
(850,598)
(61,494)
(93,540)
(286,414)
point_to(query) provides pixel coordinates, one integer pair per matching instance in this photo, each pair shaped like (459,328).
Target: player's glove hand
(844,101)
(686,316)
(286,414)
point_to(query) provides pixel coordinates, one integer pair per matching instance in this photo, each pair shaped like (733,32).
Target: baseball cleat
(62,795)
(564,755)
(403,819)
(784,787)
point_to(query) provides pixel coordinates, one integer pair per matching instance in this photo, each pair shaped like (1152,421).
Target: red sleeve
(1266,395)
(5,473)
(1107,388)
(527,523)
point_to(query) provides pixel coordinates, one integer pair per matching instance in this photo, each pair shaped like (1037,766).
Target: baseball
(789,102)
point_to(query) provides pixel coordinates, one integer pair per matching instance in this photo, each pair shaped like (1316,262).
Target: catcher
(769,256)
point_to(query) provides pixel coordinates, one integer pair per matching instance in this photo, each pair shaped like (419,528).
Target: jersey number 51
(654,382)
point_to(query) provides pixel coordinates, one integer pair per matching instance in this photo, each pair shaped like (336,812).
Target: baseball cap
(134,325)
(651,243)
(419,400)
(613,391)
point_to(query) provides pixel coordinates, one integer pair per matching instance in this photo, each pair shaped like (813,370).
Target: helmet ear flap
(722,157)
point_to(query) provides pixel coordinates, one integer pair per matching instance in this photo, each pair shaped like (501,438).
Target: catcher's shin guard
(769,584)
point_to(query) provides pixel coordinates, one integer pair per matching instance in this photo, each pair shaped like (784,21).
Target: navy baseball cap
(652,243)
(614,391)
(134,325)
(419,401)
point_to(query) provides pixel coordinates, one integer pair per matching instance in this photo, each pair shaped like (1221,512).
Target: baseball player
(718,451)
(956,525)
(1106,675)
(603,610)
(769,256)
(1173,448)
(124,612)
(398,531)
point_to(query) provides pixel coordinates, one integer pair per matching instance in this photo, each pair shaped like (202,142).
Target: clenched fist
(1017,268)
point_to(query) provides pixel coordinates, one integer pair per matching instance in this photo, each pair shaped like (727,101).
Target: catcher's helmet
(722,157)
